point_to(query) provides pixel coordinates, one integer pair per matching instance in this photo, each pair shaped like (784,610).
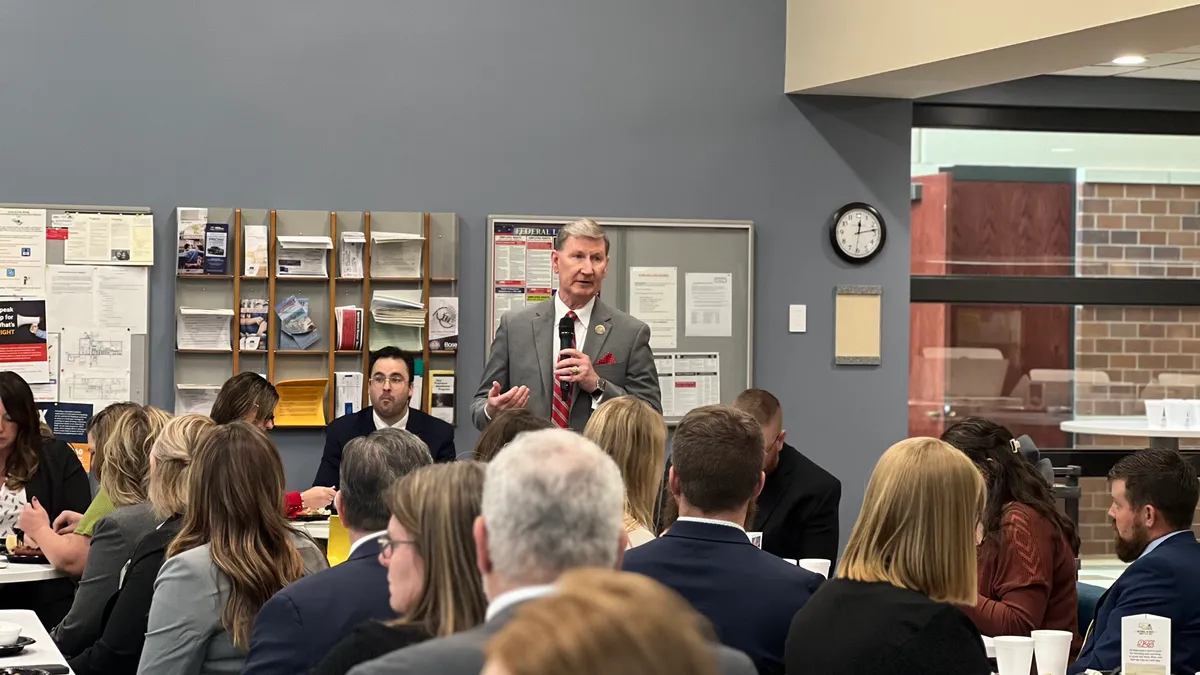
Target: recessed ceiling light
(1129,60)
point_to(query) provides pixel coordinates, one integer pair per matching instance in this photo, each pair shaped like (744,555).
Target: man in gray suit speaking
(552,502)
(611,355)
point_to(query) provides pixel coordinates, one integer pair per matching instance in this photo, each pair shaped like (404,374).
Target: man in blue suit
(750,596)
(390,389)
(1154,495)
(298,626)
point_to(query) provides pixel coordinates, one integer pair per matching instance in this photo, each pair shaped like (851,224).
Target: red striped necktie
(560,411)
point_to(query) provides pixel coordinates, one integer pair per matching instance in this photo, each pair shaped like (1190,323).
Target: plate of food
(16,647)
(17,551)
(309,515)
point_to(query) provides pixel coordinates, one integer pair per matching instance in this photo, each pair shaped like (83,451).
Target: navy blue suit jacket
(298,626)
(750,596)
(437,434)
(1165,582)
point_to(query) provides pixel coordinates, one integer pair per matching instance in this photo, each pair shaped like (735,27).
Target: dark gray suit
(462,654)
(525,341)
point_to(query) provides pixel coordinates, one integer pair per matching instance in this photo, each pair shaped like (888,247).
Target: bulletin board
(710,358)
(98,341)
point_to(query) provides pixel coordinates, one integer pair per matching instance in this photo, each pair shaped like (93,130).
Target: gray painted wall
(625,108)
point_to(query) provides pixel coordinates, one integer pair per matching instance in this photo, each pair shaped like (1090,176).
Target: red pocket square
(606,359)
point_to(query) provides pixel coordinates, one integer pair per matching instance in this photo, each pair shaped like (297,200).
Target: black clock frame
(833,232)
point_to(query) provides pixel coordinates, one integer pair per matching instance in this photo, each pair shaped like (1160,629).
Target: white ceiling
(1181,64)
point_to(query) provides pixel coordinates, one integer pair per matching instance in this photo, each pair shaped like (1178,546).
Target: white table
(1160,437)
(317,529)
(16,573)
(40,653)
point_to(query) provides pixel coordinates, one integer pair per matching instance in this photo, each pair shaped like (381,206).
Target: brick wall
(1132,231)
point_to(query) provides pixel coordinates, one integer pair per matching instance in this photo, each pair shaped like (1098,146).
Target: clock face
(858,233)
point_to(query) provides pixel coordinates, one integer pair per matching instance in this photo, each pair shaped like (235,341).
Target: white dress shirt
(506,600)
(380,424)
(583,320)
(709,521)
(370,537)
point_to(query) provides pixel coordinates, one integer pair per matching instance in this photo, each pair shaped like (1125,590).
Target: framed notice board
(691,281)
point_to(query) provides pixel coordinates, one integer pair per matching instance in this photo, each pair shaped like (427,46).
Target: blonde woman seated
(234,550)
(66,540)
(909,570)
(124,627)
(601,622)
(127,463)
(635,436)
(429,553)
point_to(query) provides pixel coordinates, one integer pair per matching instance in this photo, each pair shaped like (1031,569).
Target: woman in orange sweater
(1027,558)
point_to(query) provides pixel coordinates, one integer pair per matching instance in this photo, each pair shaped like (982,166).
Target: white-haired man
(552,502)
(609,355)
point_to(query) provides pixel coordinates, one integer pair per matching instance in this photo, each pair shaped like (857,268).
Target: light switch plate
(797,318)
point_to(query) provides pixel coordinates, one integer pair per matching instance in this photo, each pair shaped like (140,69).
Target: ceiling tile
(1188,50)
(1166,74)
(1100,71)
(1153,60)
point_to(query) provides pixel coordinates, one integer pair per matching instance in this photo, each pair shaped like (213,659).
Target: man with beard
(1154,494)
(390,388)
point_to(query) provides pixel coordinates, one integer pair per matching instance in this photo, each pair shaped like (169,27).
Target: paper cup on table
(1193,412)
(1051,649)
(1014,655)
(1177,412)
(1156,410)
(818,565)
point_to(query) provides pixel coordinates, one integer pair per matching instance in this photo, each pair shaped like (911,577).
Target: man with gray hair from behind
(552,502)
(297,627)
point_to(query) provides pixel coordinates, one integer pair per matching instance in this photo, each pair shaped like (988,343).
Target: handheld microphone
(566,340)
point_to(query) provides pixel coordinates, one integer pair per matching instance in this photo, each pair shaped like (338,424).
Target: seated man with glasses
(390,387)
(303,621)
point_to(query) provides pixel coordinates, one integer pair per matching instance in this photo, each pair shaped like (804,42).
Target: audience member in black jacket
(798,506)
(120,645)
(910,560)
(42,478)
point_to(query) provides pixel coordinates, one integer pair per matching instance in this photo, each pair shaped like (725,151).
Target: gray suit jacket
(184,635)
(462,654)
(113,541)
(521,354)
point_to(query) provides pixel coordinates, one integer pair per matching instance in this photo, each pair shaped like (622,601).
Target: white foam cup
(1014,654)
(818,565)
(1051,649)
(1155,412)
(1177,412)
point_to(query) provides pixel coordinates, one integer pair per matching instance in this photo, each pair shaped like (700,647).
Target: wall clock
(857,233)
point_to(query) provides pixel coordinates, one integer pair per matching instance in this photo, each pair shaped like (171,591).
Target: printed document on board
(654,299)
(709,305)
(23,253)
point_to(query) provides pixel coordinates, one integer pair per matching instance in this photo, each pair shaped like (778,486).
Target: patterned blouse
(11,504)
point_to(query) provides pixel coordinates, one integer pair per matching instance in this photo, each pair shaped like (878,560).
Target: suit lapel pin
(600,329)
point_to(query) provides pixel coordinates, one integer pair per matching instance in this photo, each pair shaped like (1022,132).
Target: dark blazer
(369,641)
(852,627)
(798,509)
(124,632)
(59,484)
(299,625)
(437,434)
(1165,582)
(750,596)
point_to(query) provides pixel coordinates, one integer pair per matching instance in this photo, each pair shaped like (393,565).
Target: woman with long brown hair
(604,622)
(39,479)
(504,428)
(635,436)
(1027,558)
(433,581)
(234,550)
(250,398)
